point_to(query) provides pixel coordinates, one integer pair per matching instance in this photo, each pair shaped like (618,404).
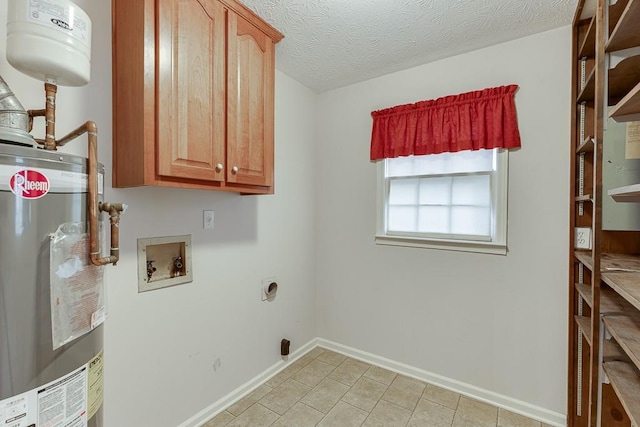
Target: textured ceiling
(333,43)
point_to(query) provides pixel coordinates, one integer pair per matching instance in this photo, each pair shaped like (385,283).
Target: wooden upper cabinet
(191,89)
(251,57)
(193,95)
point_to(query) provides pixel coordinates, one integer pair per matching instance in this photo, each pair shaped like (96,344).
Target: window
(455,201)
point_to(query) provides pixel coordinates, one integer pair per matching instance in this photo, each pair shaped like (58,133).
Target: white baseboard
(501,401)
(211,411)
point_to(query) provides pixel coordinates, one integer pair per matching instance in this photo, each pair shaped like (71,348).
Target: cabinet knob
(234,169)
(219,167)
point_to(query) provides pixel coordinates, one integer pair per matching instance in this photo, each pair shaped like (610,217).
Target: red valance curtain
(469,121)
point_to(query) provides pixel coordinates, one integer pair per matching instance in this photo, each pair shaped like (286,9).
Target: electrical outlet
(583,238)
(207,220)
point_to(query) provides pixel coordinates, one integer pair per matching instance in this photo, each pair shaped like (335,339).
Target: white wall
(161,346)
(495,322)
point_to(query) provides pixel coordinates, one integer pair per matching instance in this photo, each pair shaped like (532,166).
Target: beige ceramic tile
(313,373)
(304,360)
(244,403)
(387,414)
(309,357)
(344,415)
(325,395)
(349,371)
(283,397)
(283,375)
(300,416)
(509,419)
(381,375)
(474,413)
(365,394)
(317,351)
(255,416)
(222,419)
(431,414)
(440,395)
(404,392)
(331,357)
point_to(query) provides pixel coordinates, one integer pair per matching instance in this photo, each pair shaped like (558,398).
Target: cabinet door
(191,89)
(250,104)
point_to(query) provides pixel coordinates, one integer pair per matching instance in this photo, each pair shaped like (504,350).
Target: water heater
(51,293)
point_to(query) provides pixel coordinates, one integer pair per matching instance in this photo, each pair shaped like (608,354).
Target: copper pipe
(114,209)
(78,132)
(50,116)
(32,114)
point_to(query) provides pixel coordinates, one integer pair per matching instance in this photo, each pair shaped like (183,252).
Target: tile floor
(325,388)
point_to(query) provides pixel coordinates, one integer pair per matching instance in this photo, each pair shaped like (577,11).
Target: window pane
(471,190)
(437,164)
(402,218)
(471,161)
(434,219)
(471,220)
(400,166)
(403,191)
(435,191)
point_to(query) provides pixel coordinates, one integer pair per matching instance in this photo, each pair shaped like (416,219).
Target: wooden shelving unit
(604,282)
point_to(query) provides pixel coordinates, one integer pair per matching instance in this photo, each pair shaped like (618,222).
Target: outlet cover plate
(208,220)
(583,238)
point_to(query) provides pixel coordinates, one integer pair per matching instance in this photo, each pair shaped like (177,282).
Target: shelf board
(628,109)
(626,194)
(627,284)
(585,326)
(611,262)
(623,78)
(626,34)
(610,301)
(588,47)
(625,380)
(626,331)
(585,258)
(588,92)
(586,146)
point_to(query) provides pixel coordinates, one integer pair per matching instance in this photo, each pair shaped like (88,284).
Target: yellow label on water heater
(95,386)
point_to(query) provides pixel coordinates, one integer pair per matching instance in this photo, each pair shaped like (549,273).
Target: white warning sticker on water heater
(60,403)
(19,411)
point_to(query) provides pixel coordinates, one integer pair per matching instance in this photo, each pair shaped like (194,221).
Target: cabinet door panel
(250,104)
(191,89)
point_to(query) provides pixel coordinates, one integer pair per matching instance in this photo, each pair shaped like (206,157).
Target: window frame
(497,244)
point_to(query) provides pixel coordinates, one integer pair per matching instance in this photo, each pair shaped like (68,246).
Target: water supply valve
(178,265)
(150,269)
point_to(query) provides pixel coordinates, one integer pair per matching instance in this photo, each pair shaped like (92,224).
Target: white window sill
(448,245)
